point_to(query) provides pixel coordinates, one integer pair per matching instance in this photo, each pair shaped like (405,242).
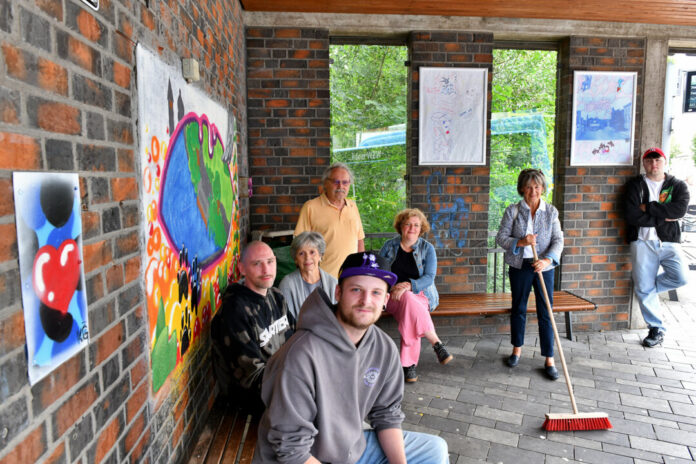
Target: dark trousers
(521,283)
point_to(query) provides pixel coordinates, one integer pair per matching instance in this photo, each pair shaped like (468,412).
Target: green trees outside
(380,187)
(368,98)
(524,82)
(524,90)
(368,90)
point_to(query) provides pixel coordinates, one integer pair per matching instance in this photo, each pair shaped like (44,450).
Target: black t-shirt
(404,266)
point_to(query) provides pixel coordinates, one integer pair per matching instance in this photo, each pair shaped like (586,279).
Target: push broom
(578,420)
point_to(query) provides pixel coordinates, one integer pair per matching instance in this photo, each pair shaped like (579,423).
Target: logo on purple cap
(367,263)
(373,261)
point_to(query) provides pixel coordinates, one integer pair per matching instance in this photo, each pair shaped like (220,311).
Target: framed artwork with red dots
(604,109)
(49,240)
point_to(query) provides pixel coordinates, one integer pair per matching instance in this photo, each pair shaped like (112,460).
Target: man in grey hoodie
(336,371)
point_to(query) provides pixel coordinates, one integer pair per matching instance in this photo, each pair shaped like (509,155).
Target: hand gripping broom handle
(555,335)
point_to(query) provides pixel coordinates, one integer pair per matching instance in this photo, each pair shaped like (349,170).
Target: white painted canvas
(188,162)
(452,116)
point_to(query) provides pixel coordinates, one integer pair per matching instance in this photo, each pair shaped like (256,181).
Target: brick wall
(596,261)
(289,120)
(454,198)
(68,102)
(288,111)
(285,169)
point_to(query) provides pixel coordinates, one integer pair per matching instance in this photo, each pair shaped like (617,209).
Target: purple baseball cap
(368,263)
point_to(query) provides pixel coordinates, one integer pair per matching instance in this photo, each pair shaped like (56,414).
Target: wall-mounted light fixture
(190,70)
(94,4)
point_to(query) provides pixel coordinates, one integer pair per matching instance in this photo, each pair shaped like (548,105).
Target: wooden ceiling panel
(673,12)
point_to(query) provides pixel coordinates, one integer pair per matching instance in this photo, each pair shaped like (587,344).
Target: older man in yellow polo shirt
(335,217)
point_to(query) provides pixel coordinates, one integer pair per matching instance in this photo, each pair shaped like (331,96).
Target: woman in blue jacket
(531,222)
(414,262)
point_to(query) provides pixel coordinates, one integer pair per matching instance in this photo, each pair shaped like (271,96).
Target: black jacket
(674,200)
(246,331)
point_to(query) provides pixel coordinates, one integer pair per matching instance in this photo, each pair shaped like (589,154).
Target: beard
(351,319)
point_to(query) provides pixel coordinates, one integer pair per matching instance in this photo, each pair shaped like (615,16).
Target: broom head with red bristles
(579,421)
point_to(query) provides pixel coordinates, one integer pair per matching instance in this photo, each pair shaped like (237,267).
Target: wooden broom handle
(555,335)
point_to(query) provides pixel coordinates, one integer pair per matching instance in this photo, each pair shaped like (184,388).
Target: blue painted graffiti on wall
(446,221)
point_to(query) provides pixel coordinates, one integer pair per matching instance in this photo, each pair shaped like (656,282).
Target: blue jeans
(647,257)
(521,283)
(421,448)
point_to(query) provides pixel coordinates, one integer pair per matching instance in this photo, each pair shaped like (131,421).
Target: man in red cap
(655,201)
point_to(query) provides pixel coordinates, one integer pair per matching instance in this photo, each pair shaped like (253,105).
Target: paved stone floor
(488,412)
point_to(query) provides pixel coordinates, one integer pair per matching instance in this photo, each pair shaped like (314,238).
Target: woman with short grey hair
(306,249)
(531,175)
(531,222)
(310,239)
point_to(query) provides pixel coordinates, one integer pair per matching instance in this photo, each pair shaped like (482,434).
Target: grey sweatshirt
(319,387)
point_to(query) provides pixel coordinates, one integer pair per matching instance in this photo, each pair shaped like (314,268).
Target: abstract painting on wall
(604,107)
(49,239)
(452,116)
(188,153)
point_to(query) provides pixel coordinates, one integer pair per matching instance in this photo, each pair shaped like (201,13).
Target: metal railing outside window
(498,281)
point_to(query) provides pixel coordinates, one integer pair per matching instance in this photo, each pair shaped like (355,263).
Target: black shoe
(410,375)
(442,354)
(551,372)
(655,337)
(513,360)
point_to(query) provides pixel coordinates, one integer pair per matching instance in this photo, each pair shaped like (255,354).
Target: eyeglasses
(412,224)
(338,183)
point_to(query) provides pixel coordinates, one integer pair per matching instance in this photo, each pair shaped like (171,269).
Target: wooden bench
(489,304)
(229,436)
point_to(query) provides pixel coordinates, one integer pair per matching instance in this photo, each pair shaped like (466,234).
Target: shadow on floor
(488,412)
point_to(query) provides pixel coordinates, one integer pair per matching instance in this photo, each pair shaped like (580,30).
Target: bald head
(258,266)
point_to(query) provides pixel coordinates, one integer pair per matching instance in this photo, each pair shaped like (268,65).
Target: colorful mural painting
(49,239)
(190,200)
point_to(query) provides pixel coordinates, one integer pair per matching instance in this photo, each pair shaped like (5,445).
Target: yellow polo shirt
(341,229)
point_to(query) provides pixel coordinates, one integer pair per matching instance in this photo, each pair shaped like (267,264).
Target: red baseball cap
(655,150)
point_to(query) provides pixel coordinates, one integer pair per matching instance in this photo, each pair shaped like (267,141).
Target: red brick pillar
(454,198)
(596,261)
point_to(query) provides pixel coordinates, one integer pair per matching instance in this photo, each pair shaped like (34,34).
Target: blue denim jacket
(426,260)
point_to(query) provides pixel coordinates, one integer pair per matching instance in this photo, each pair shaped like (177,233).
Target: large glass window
(522,134)
(368,128)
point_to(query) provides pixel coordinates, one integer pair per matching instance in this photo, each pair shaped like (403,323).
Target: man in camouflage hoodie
(251,325)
